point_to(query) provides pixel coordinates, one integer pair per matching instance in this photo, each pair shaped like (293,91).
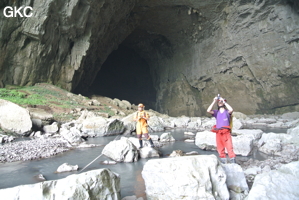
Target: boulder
(290,115)
(14,118)
(53,128)
(41,114)
(237,124)
(127,104)
(206,140)
(148,152)
(71,134)
(235,178)
(243,144)
(132,198)
(168,122)
(166,137)
(99,126)
(122,150)
(177,153)
(195,123)
(129,124)
(96,184)
(181,122)
(65,167)
(189,177)
(239,115)
(282,183)
(155,124)
(208,123)
(6,138)
(189,133)
(255,133)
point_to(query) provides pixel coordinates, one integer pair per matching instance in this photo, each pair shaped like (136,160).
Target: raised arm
(209,110)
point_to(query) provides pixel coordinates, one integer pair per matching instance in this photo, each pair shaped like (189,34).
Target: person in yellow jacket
(141,118)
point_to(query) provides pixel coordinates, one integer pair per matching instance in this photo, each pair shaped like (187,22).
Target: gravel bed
(32,149)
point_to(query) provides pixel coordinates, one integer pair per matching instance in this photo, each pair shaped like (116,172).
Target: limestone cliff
(245,50)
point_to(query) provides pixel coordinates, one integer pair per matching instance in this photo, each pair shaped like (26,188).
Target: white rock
(65,167)
(206,140)
(166,137)
(235,178)
(291,115)
(237,124)
(127,104)
(277,184)
(255,133)
(129,123)
(122,150)
(148,152)
(72,135)
(271,146)
(188,177)
(181,122)
(176,153)
(14,118)
(97,184)
(189,140)
(192,153)
(169,122)
(209,123)
(155,124)
(189,133)
(53,128)
(253,171)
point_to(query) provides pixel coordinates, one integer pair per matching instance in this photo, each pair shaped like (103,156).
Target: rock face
(277,184)
(192,177)
(96,184)
(14,118)
(195,49)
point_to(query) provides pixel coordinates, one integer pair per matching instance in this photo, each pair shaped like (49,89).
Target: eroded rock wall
(245,50)
(62,42)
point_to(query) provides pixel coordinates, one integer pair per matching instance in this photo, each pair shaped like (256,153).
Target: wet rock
(65,167)
(97,184)
(14,118)
(189,140)
(277,184)
(166,137)
(192,153)
(200,177)
(177,153)
(108,162)
(148,152)
(189,133)
(6,138)
(122,150)
(85,145)
(40,177)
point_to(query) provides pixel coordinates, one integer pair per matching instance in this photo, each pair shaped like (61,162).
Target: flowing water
(21,173)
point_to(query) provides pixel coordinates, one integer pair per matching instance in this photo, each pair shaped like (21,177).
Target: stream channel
(23,172)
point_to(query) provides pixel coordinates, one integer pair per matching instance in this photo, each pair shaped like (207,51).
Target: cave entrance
(126,76)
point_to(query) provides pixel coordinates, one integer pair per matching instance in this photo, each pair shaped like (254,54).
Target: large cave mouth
(126,76)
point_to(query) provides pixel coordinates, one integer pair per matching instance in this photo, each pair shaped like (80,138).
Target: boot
(232,160)
(152,144)
(140,142)
(223,160)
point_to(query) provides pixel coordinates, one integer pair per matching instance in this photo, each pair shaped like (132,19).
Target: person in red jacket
(223,129)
